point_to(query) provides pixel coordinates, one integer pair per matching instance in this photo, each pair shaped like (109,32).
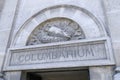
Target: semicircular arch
(90,25)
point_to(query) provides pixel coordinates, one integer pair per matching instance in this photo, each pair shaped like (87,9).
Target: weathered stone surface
(117,76)
(6,20)
(13,75)
(101,73)
(14,16)
(1,5)
(112,8)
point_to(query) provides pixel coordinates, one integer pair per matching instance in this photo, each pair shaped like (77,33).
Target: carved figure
(55,34)
(56,31)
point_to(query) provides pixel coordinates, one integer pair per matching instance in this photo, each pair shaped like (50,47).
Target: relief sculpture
(56,30)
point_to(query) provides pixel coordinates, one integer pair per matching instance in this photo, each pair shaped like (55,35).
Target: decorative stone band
(60,54)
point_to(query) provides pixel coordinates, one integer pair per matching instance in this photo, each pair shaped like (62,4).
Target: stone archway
(88,22)
(93,48)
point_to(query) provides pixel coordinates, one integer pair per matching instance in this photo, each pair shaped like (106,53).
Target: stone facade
(58,34)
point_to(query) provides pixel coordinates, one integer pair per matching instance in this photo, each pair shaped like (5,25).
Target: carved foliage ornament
(56,30)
